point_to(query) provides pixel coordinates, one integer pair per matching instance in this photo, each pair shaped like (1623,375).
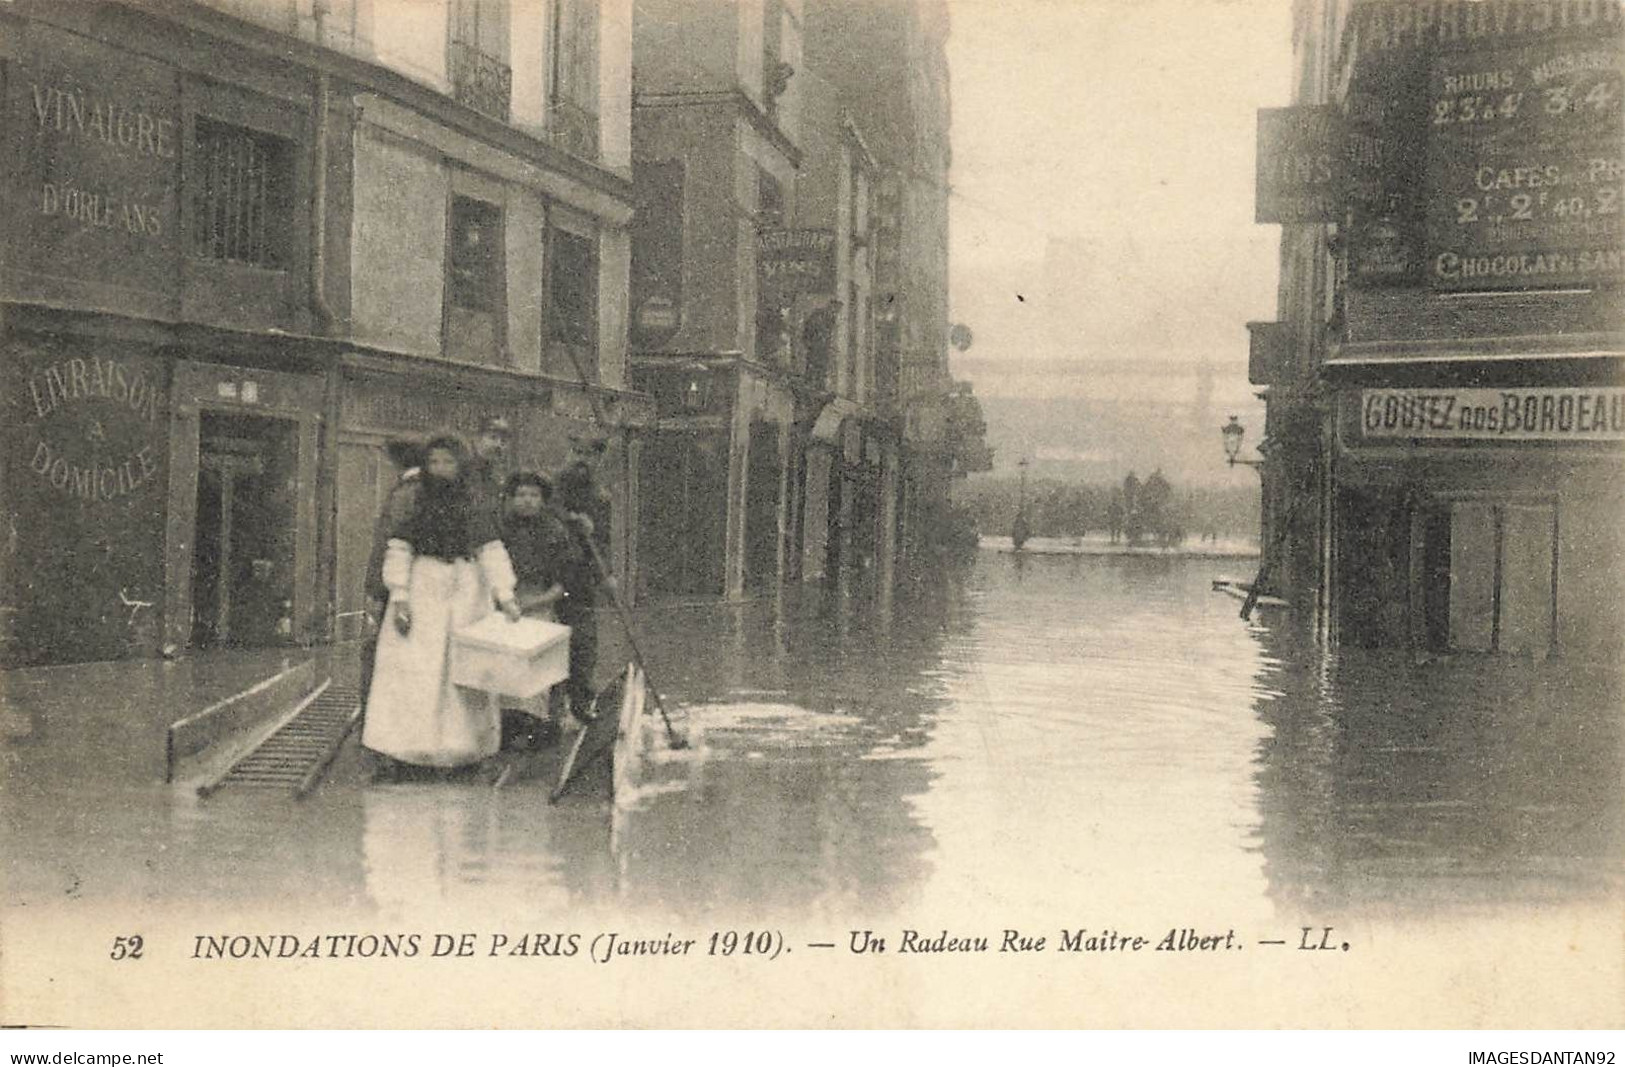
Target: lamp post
(697,389)
(1233,431)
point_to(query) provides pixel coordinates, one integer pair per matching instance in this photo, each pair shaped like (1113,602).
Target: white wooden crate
(518,659)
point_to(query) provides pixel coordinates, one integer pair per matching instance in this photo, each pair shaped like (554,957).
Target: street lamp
(1233,431)
(697,389)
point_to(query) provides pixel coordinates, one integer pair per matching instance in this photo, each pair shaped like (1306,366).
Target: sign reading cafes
(1595,413)
(1484,143)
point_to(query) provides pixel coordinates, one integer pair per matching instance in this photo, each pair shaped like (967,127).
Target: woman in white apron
(444,566)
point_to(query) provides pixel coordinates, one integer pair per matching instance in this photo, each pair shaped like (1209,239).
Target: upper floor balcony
(573,129)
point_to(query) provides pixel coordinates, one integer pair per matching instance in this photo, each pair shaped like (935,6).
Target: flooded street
(1069,734)
(1095,744)
(1064,736)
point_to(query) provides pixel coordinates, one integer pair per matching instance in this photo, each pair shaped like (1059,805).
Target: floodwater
(1071,739)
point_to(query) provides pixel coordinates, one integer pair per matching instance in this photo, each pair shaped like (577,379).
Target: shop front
(162,400)
(1474,519)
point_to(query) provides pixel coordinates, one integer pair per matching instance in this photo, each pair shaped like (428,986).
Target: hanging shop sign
(1298,169)
(1581,413)
(796,262)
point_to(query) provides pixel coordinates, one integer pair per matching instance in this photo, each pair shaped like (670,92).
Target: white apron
(414,712)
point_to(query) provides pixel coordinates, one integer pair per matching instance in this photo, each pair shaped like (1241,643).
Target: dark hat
(496,424)
(590,442)
(536,478)
(405,452)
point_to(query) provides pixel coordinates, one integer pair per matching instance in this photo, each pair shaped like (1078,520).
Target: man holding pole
(587,510)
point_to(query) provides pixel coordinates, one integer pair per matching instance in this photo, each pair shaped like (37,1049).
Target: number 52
(126,948)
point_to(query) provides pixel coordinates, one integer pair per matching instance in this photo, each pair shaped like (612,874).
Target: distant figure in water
(1019,532)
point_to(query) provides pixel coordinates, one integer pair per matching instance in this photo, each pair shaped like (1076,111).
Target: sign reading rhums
(1581,413)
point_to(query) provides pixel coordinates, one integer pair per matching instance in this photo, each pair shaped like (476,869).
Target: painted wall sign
(96,133)
(86,435)
(1484,143)
(1595,413)
(796,262)
(1298,170)
(1526,179)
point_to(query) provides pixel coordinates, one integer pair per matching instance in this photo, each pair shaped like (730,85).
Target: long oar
(672,737)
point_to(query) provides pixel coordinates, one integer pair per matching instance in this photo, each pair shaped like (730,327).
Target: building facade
(250,240)
(789,289)
(1445,386)
(715,150)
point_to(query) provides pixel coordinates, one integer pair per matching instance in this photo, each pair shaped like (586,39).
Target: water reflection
(1089,740)
(1475,781)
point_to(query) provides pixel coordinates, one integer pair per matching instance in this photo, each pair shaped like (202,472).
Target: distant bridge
(1085,365)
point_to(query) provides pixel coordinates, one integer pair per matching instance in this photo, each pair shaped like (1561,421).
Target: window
(772,337)
(474,260)
(242,199)
(775,72)
(478,56)
(572,311)
(475,321)
(572,89)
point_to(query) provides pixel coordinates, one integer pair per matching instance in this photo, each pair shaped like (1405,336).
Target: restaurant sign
(1298,169)
(1581,413)
(797,262)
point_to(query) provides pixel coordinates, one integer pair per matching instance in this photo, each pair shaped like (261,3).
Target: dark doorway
(1436,578)
(242,557)
(763,491)
(683,482)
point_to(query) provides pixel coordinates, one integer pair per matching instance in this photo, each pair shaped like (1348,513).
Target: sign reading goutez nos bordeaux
(1479,146)
(1577,414)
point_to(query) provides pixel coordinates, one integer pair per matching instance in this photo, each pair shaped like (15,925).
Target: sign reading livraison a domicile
(1581,413)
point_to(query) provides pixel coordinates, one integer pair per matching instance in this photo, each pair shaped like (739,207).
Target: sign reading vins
(1586,413)
(796,262)
(1297,172)
(1524,165)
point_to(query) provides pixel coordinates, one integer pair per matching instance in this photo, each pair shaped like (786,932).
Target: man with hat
(586,508)
(487,467)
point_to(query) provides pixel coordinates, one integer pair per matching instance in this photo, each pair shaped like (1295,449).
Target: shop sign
(97,135)
(1526,180)
(1298,171)
(1483,143)
(86,437)
(1595,413)
(796,262)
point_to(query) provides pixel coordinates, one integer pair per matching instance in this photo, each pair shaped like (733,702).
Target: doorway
(1486,576)
(683,510)
(243,542)
(762,500)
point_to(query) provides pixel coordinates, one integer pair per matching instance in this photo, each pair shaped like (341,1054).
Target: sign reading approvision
(1595,413)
